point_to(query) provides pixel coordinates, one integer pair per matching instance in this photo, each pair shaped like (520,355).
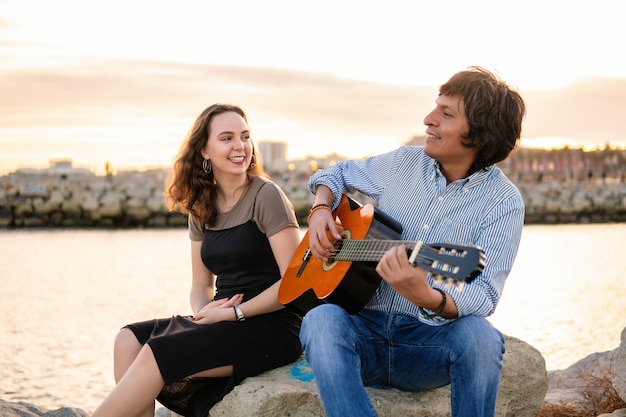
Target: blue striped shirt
(485,209)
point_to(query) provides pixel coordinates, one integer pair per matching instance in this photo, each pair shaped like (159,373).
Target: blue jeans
(377,348)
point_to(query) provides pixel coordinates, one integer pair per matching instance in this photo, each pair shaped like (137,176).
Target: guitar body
(309,282)
(349,278)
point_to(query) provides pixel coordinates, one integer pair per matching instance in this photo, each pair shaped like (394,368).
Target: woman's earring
(206,166)
(253,163)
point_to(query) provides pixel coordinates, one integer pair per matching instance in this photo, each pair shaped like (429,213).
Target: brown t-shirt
(264,202)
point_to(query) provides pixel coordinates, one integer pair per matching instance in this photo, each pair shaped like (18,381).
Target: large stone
(617,413)
(618,370)
(33,190)
(156,203)
(291,391)
(22,409)
(111,203)
(49,205)
(590,382)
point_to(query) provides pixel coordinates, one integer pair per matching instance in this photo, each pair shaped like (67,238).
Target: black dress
(242,259)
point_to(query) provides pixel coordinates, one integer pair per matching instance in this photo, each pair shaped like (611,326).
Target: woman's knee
(126,343)
(125,349)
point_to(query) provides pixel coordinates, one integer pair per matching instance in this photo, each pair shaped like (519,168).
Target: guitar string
(372,250)
(363,250)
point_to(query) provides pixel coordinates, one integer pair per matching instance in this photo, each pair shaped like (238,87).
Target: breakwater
(130,199)
(135,199)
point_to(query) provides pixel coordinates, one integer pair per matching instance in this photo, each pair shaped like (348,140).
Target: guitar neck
(369,250)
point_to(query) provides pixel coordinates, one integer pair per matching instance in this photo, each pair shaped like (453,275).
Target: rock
(29,190)
(46,206)
(617,413)
(66,412)
(21,409)
(111,204)
(523,382)
(156,204)
(590,382)
(136,209)
(22,207)
(164,412)
(618,370)
(290,390)
(6,217)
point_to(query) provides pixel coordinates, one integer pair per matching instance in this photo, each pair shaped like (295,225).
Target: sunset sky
(122,81)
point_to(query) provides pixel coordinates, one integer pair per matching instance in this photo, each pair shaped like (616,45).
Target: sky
(122,81)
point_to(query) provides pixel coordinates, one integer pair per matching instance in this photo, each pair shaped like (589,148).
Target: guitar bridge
(305,261)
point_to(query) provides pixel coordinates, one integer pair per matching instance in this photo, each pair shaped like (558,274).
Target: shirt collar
(467,182)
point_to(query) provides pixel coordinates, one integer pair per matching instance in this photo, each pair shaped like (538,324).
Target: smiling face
(229,147)
(445,134)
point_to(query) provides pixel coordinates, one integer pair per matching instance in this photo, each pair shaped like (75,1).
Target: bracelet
(318,207)
(238,313)
(439,309)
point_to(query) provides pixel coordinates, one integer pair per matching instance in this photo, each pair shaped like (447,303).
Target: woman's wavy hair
(189,188)
(494,112)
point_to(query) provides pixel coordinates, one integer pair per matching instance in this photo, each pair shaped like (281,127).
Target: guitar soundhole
(330,264)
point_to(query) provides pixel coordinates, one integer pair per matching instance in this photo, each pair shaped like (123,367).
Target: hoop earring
(253,163)
(207,167)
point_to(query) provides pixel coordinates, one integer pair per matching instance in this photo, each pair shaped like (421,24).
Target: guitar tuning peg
(459,286)
(438,279)
(448,284)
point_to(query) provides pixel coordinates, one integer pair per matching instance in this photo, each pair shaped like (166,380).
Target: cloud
(90,94)
(591,112)
(4,24)
(118,94)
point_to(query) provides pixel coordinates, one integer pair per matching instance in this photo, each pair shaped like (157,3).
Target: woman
(243,233)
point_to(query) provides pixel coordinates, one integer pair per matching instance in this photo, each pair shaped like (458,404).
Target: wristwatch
(239,314)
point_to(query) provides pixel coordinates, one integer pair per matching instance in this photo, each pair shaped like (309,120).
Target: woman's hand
(218,310)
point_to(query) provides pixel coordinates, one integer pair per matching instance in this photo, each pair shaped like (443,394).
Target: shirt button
(440,198)
(426,227)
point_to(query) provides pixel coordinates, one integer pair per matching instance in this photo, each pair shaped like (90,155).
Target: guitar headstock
(454,264)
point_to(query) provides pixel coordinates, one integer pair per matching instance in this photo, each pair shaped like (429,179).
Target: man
(416,334)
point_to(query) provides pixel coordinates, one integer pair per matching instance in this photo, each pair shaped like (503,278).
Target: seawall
(135,199)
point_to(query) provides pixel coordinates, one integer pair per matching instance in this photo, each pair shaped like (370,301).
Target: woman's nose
(238,143)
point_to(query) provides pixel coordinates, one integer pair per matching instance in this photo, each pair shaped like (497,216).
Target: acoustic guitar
(349,279)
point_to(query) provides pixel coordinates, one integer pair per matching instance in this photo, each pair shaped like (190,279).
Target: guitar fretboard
(370,250)
(451,261)
(366,250)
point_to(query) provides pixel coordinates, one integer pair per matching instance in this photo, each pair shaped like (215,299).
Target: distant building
(58,168)
(273,155)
